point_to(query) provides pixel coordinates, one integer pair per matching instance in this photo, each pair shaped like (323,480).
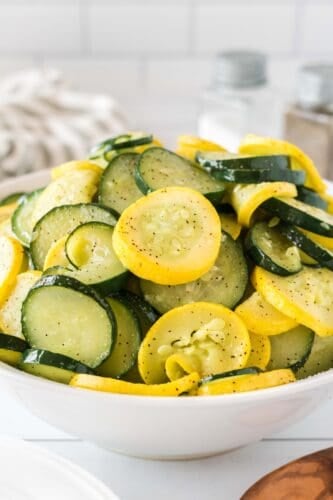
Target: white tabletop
(224,477)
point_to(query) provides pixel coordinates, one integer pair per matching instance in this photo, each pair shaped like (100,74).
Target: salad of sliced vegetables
(149,272)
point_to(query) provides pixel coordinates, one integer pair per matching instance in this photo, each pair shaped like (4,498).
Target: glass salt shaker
(308,121)
(239,100)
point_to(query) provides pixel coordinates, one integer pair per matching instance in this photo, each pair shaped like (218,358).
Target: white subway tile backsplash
(244,25)
(317,28)
(139,28)
(116,77)
(39,28)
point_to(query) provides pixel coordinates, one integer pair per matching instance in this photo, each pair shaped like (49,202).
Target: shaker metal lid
(240,69)
(315,86)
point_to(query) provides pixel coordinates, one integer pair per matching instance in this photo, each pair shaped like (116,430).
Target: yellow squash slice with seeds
(170,237)
(306,297)
(203,337)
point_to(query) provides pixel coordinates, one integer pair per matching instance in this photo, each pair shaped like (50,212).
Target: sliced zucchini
(246,382)
(146,314)
(249,169)
(250,370)
(11,349)
(117,188)
(320,358)
(62,315)
(11,198)
(170,237)
(120,142)
(204,337)
(61,221)
(159,168)
(89,249)
(22,222)
(307,296)
(291,349)
(256,145)
(320,254)
(52,366)
(300,214)
(125,351)
(224,283)
(272,251)
(311,197)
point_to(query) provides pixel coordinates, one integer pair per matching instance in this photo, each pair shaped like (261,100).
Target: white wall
(154,55)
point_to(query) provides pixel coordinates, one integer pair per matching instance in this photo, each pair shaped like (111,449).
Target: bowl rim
(37,179)
(280,392)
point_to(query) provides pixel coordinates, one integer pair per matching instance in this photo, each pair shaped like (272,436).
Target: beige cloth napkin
(44,122)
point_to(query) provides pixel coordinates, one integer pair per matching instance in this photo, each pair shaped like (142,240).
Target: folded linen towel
(43,122)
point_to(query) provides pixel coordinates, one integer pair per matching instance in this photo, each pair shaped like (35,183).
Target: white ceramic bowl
(165,428)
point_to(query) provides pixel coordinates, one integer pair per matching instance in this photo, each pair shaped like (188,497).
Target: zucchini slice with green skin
(11,349)
(125,351)
(311,197)
(52,366)
(301,214)
(61,221)
(89,249)
(62,315)
(320,358)
(321,255)
(159,168)
(224,283)
(120,142)
(22,225)
(249,169)
(251,370)
(272,250)
(11,198)
(146,314)
(291,349)
(117,188)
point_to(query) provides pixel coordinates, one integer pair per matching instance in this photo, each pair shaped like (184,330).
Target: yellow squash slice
(11,260)
(77,186)
(6,211)
(307,296)
(10,310)
(189,145)
(262,318)
(324,241)
(257,145)
(260,351)
(247,198)
(203,337)
(175,388)
(230,225)
(170,237)
(244,383)
(65,168)
(56,256)
(10,357)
